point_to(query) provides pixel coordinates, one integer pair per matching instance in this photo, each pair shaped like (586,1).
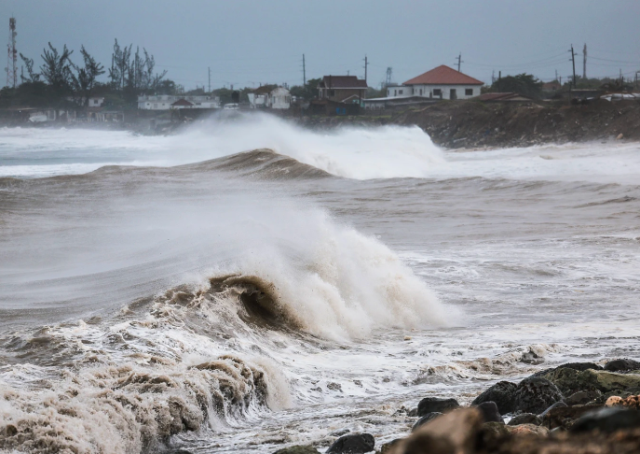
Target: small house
(442,82)
(342,89)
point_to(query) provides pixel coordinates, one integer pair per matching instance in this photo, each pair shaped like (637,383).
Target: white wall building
(166,102)
(270,97)
(440,83)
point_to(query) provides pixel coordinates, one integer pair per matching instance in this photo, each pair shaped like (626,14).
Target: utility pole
(209,71)
(557,74)
(12,55)
(573,59)
(493,77)
(584,62)
(366,63)
(459,58)
(304,71)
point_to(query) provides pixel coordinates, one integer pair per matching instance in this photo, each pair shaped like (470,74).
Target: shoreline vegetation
(575,408)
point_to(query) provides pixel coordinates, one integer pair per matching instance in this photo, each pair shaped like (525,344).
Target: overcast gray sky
(248,42)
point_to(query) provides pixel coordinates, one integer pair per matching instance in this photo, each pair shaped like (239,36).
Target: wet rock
(387,447)
(454,432)
(568,380)
(525,418)
(631,402)
(435,404)
(502,393)
(583,397)
(607,420)
(618,365)
(491,435)
(559,404)
(536,394)
(565,417)
(580,366)
(490,412)
(353,444)
(298,449)
(531,357)
(610,381)
(425,419)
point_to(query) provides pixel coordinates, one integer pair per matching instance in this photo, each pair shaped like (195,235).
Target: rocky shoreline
(575,408)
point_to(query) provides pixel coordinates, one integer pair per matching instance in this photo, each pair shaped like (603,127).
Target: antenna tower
(12,55)
(389,74)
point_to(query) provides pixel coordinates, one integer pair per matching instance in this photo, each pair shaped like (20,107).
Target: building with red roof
(442,82)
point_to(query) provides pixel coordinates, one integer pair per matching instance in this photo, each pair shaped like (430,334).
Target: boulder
(490,412)
(583,397)
(559,404)
(607,420)
(631,402)
(580,366)
(436,405)
(298,449)
(454,432)
(525,418)
(618,365)
(568,380)
(610,381)
(536,394)
(502,393)
(491,436)
(565,417)
(425,419)
(353,444)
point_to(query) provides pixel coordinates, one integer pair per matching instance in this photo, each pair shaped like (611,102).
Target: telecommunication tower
(12,55)
(389,75)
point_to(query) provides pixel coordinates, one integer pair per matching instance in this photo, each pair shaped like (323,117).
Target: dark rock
(607,420)
(559,404)
(565,417)
(298,449)
(531,357)
(583,397)
(502,393)
(621,365)
(490,412)
(536,394)
(387,447)
(436,405)
(569,381)
(425,419)
(353,444)
(580,366)
(525,418)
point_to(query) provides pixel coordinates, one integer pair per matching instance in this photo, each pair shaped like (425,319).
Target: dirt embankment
(472,124)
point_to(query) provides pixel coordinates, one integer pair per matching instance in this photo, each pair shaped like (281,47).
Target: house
(552,87)
(93,101)
(270,97)
(442,82)
(165,102)
(348,89)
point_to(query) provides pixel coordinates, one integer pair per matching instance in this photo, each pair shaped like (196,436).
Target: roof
(182,102)
(343,82)
(264,89)
(506,96)
(443,75)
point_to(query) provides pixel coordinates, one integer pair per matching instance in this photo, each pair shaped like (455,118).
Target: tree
(524,84)
(308,91)
(134,73)
(32,76)
(56,69)
(86,78)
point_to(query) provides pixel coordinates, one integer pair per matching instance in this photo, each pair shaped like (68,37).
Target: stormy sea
(245,284)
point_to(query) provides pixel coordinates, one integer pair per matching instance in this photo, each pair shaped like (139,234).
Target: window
(331,93)
(395,92)
(421,92)
(437,92)
(400,92)
(468,92)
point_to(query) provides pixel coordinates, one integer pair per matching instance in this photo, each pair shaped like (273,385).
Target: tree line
(60,81)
